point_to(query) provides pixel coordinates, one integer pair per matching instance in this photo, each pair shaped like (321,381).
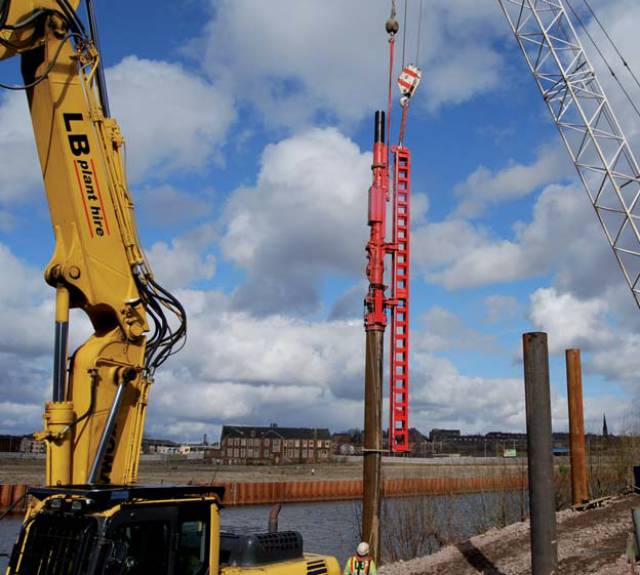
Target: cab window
(146,547)
(193,542)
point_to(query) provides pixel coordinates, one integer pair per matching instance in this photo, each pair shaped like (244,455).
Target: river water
(332,527)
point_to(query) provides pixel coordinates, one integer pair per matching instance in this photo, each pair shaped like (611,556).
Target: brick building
(274,445)
(419,444)
(29,444)
(10,443)
(159,446)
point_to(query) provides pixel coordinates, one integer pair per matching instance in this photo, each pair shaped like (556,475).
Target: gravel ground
(591,542)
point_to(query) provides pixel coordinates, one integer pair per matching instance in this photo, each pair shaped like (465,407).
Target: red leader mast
(399,248)
(376,302)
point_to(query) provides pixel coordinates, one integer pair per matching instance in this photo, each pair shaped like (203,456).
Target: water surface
(411,526)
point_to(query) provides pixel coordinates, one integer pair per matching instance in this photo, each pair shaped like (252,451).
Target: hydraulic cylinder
(58,421)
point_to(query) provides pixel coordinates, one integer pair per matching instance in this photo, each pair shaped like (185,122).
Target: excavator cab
(119,530)
(110,530)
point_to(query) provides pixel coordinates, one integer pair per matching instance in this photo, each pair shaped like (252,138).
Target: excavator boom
(94,423)
(90,518)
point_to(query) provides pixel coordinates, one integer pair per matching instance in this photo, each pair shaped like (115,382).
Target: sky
(249,129)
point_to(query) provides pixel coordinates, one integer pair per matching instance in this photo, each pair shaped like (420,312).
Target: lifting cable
(604,59)
(410,74)
(613,44)
(391,26)
(419,36)
(404,32)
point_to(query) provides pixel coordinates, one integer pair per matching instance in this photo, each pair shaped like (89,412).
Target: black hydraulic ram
(61,344)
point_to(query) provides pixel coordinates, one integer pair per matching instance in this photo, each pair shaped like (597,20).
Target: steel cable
(419,35)
(604,59)
(404,32)
(613,44)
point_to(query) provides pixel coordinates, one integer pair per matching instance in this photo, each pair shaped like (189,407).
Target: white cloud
(184,261)
(238,368)
(172,119)
(563,237)
(442,396)
(439,244)
(26,336)
(305,219)
(500,261)
(459,80)
(620,18)
(610,347)
(483,187)
(27,302)
(569,321)
(20,173)
(168,205)
(619,361)
(15,415)
(228,346)
(305,216)
(350,304)
(295,60)
(443,330)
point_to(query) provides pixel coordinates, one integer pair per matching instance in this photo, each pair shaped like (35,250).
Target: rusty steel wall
(309,491)
(10,494)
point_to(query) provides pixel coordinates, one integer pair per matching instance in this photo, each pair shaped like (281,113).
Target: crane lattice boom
(588,126)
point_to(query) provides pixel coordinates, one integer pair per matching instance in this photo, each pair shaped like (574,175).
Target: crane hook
(391,25)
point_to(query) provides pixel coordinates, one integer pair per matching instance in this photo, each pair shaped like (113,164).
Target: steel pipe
(544,545)
(372,444)
(579,485)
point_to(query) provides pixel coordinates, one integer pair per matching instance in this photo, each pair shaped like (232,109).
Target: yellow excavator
(91,518)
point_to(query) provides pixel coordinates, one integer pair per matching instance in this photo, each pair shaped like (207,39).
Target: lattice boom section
(399,380)
(589,128)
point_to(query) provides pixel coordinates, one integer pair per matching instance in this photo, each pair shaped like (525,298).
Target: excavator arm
(21,23)
(94,423)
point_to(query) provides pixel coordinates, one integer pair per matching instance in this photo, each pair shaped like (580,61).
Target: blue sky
(248,128)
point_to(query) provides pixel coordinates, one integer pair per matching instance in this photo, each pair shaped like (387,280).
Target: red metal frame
(376,315)
(399,303)
(376,301)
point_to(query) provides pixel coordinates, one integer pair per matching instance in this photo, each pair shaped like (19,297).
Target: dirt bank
(31,472)
(588,542)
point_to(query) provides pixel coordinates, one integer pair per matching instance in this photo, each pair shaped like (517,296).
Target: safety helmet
(363,549)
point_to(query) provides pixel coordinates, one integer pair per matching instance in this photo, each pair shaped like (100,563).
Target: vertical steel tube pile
(375,324)
(544,546)
(579,486)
